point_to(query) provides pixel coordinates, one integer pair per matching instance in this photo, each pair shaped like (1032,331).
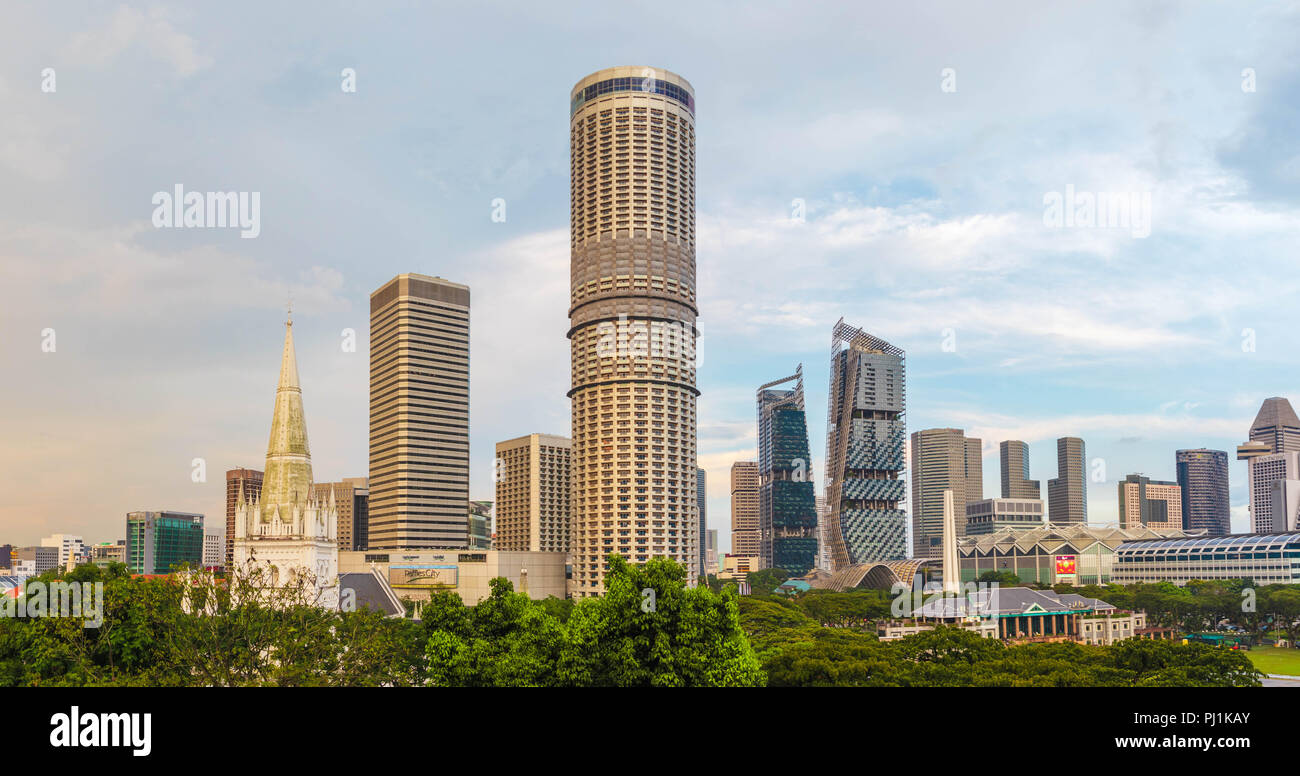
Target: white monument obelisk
(951,571)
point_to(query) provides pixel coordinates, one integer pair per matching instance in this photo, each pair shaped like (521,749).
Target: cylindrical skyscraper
(632,321)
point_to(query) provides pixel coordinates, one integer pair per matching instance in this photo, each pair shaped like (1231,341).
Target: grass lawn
(1276,660)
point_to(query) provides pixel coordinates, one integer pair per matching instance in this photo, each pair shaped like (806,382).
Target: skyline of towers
(943,459)
(419,414)
(865,435)
(1203,476)
(533,493)
(632,321)
(787,499)
(745,539)
(1013,455)
(1272,457)
(1067,494)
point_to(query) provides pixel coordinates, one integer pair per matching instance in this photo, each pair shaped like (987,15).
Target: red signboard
(1066,565)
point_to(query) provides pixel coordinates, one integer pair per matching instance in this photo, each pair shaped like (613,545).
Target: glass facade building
(865,435)
(787,498)
(1203,475)
(160,542)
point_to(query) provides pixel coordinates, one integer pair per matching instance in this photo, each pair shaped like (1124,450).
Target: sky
(893,164)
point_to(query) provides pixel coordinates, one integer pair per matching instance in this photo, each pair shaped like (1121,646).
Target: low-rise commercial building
(418,573)
(1074,553)
(988,515)
(1264,558)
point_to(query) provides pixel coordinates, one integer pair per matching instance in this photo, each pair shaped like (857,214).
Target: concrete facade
(417,573)
(533,494)
(419,413)
(632,321)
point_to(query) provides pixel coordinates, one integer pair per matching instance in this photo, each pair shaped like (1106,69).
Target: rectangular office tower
(1203,476)
(942,459)
(866,431)
(1067,495)
(533,475)
(744,508)
(632,321)
(1014,456)
(787,498)
(419,414)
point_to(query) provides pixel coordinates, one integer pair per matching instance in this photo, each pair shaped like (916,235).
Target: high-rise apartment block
(942,459)
(1273,466)
(632,321)
(419,414)
(1144,502)
(1014,456)
(250,482)
(787,498)
(1067,495)
(866,432)
(1203,476)
(160,542)
(352,498)
(744,509)
(533,483)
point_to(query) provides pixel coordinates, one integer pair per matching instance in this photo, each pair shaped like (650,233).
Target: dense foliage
(649,629)
(151,635)
(797,650)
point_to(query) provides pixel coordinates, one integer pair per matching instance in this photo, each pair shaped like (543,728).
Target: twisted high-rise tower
(632,321)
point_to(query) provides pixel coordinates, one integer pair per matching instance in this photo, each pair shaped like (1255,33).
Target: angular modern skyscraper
(1203,476)
(1273,466)
(1067,495)
(942,459)
(866,431)
(632,321)
(419,414)
(787,497)
(1014,456)
(744,509)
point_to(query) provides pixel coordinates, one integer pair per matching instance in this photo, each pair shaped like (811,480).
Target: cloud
(129,28)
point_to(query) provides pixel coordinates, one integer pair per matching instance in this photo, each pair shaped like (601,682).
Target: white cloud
(129,28)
